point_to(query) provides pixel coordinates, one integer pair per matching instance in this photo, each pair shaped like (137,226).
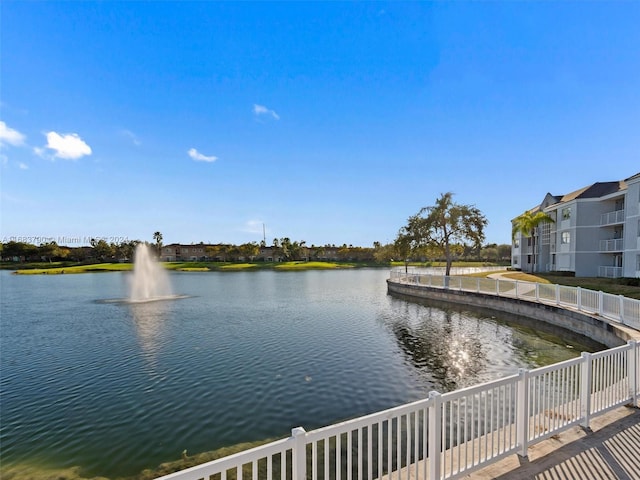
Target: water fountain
(150,281)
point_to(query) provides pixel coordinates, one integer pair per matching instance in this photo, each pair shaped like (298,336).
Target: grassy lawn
(57,269)
(98,267)
(607,285)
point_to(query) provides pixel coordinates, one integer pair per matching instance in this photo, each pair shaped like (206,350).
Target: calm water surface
(116,388)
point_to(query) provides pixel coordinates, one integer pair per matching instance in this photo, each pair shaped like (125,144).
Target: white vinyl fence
(448,435)
(616,308)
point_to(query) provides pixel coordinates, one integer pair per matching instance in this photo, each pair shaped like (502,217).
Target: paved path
(610,451)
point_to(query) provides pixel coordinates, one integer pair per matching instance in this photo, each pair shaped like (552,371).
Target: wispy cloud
(131,136)
(254,226)
(10,136)
(68,146)
(23,166)
(199,157)
(260,110)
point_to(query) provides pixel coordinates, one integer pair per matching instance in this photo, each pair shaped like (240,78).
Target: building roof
(633,178)
(595,190)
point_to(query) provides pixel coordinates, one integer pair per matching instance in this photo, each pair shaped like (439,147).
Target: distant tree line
(283,248)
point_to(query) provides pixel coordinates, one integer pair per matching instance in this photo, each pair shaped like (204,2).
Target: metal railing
(612,217)
(616,308)
(612,245)
(610,272)
(445,436)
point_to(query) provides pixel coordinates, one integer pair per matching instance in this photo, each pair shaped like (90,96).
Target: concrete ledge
(590,326)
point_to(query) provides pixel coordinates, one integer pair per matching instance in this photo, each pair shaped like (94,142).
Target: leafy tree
(444,227)
(48,251)
(101,249)
(504,252)
(526,224)
(403,246)
(19,250)
(249,250)
(384,253)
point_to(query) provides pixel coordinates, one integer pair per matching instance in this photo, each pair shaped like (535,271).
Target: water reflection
(453,346)
(442,345)
(149,320)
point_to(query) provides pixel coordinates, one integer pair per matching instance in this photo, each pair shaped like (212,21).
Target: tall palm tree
(157,236)
(526,224)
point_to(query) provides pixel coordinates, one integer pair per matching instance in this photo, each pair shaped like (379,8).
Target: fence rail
(445,436)
(616,308)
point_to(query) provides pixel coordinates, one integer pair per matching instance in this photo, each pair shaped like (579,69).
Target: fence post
(497,287)
(557,294)
(516,285)
(585,389)
(601,303)
(299,454)
(633,360)
(478,285)
(522,412)
(435,435)
(537,292)
(621,297)
(579,298)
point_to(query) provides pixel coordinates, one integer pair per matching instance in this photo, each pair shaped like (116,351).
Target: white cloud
(131,136)
(68,146)
(23,166)
(259,110)
(199,157)
(10,136)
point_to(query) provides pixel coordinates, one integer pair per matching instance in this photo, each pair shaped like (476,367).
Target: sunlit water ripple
(115,388)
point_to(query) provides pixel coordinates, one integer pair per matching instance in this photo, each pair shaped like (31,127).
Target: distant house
(596,232)
(269,254)
(184,253)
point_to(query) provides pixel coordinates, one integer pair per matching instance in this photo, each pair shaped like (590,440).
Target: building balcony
(612,245)
(610,272)
(612,218)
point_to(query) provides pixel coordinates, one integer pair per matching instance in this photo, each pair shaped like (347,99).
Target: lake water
(114,388)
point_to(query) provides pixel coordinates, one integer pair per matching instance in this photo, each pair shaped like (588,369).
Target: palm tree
(526,224)
(157,236)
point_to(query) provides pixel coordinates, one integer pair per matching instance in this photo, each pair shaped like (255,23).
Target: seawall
(591,326)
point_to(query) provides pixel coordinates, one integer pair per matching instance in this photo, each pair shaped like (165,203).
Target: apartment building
(595,232)
(176,252)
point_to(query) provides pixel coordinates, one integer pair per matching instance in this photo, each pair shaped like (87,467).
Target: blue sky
(327,122)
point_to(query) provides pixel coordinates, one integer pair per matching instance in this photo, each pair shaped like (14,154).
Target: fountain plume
(150,280)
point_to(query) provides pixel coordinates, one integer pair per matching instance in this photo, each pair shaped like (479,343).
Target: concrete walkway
(611,450)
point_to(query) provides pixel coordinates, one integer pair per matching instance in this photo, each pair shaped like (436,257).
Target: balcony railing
(612,245)
(610,272)
(612,217)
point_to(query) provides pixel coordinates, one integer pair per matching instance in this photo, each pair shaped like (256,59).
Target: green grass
(98,267)
(607,285)
(311,266)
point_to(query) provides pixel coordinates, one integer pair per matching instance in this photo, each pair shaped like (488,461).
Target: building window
(638,263)
(516,242)
(566,237)
(515,260)
(566,213)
